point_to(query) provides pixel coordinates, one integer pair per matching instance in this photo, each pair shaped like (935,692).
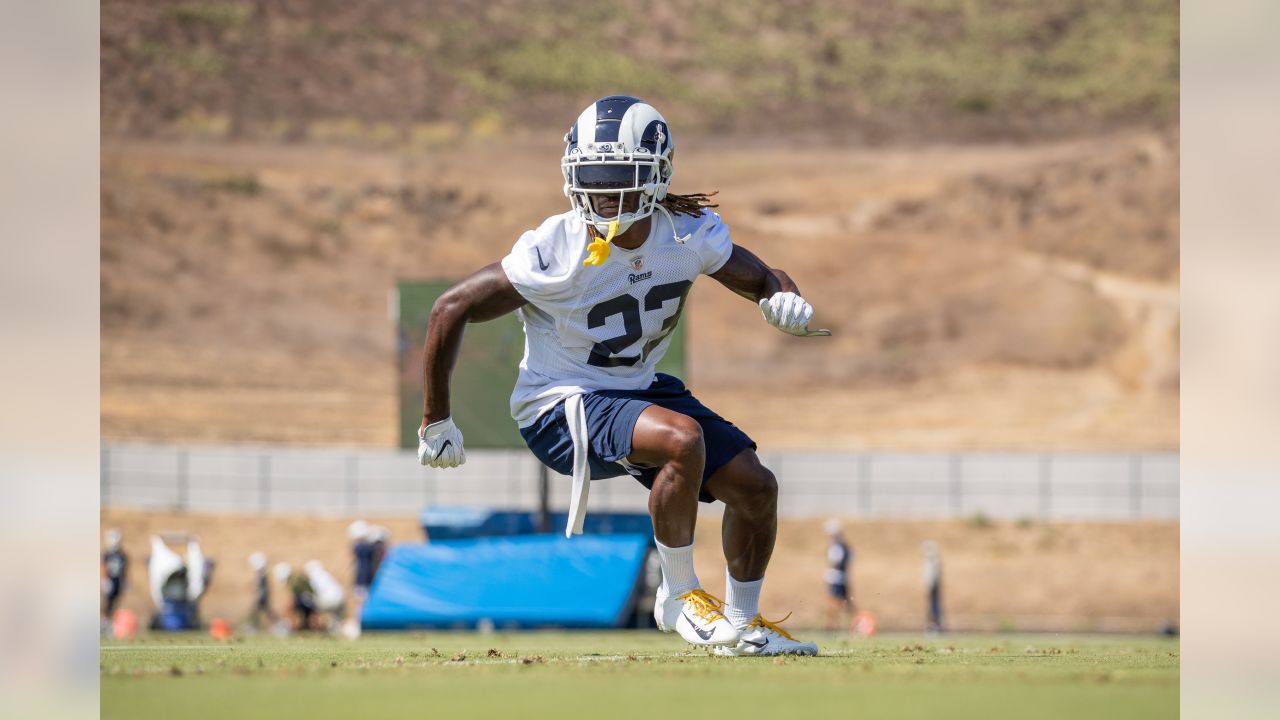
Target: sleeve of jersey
(520,269)
(536,270)
(712,243)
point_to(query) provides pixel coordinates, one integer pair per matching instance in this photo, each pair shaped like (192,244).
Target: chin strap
(672,219)
(598,250)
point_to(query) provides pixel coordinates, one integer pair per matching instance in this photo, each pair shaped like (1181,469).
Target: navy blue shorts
(839,592)
(611,421)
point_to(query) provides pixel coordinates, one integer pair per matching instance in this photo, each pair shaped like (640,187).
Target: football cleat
(697,617)
(765,638)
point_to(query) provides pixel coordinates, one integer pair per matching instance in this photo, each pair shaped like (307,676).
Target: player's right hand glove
(440,445)
(788,312)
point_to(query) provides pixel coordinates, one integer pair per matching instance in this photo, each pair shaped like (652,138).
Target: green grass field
(635,674)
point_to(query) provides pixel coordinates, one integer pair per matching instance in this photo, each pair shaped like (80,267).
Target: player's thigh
(661,435)
(744,480)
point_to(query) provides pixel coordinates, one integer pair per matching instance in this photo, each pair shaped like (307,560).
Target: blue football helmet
(618,145)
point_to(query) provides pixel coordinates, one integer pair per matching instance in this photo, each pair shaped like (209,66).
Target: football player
(599,290)
(115,573)
(839,555)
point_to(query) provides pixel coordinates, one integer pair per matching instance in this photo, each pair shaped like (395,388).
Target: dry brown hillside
(982,295)
(980,198)
(407,71)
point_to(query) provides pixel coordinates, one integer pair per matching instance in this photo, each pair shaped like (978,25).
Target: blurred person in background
(381,539)
(319,602)
(363,551)
(330,600)
(206,571)
(840,605)
(302,607)
(115,572)
(932,576)
(261,613)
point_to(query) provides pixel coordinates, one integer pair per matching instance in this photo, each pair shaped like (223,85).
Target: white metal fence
(268,479)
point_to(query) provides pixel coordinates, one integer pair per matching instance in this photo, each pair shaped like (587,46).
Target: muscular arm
(748,276)
(485,295)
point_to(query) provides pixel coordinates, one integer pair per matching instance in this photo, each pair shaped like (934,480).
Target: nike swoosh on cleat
(755,644)
(541,263)
(443,447)
(704,634)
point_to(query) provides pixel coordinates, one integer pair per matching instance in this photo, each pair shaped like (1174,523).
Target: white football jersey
(603,327)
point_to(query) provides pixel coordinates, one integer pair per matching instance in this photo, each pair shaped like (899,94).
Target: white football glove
(440,445)
(788,312)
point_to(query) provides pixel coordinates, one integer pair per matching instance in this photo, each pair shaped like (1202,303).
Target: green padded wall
(485,372)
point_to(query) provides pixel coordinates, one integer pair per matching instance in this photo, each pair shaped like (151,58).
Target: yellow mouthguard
(598,250)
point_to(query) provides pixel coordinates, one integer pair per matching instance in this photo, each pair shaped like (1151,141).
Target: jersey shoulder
(542,261)
(706,234)
(690,226)
(554,240)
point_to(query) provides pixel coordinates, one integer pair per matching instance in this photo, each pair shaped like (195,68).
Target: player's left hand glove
(788,312)
(440,445)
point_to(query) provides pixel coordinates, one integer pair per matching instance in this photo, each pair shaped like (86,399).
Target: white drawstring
(576,416)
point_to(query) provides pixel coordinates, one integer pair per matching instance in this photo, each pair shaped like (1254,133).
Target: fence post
(864,484)
(1135,485)
(1046,486)
(183,481)
(264,482)
(956,490)
(544,499)
(352,490)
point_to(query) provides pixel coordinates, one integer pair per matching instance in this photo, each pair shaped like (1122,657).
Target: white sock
(678,577)
(741,600)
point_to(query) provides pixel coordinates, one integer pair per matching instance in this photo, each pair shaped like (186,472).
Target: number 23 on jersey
(606,352)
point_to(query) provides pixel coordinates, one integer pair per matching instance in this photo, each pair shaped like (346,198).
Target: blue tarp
(453,523)
(514,582)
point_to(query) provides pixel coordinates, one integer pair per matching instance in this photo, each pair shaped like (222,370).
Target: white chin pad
(603,226)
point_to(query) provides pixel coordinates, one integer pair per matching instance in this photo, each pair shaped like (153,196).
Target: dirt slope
(994,296)
(401,71)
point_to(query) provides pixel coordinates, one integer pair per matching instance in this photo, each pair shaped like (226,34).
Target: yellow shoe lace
(598,250)
(706,605)
(763,624)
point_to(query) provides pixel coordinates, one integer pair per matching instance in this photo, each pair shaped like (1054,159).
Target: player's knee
(763,486)
(684,439)
(754,489)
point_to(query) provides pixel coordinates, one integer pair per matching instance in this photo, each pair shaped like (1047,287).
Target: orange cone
(864,624)
(124,624)
(220,629)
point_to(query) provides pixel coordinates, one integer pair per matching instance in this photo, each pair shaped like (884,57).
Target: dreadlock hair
(691,205)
